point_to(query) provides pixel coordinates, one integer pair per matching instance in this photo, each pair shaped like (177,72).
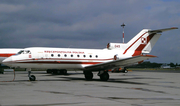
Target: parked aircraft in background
(114,56)
(7,52)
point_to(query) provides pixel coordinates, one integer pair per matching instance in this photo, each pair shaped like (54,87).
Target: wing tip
(174,27)
(148,55)
(161,30)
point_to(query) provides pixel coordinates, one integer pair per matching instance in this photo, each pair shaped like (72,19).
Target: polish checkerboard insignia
(143,40)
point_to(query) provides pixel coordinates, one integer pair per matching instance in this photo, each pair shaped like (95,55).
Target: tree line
(148,64)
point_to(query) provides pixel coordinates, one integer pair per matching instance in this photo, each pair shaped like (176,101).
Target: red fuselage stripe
(60,62)
(6,54)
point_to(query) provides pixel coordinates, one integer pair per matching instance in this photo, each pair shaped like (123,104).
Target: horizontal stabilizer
(162,30)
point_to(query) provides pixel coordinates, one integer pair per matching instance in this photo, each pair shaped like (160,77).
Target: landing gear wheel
(54,71)
(104,76)
(32,78)
(88,75)
(64,72)
(58,72)
(49,71)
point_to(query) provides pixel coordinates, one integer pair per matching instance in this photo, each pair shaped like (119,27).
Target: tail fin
(144,41)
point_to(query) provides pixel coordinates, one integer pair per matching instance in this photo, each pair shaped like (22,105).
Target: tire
(32,78)
(49,71)
(64,72)
(88,75)
(104,76)
(58,72)
(54,71)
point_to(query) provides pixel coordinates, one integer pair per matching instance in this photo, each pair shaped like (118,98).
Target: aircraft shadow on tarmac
(110,80)
(119,80)
(69,77)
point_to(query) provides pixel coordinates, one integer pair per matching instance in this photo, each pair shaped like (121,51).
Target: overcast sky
(89,24)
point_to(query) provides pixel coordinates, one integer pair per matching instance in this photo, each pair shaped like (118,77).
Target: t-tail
(142,43)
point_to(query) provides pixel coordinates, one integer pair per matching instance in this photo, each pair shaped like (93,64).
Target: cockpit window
(20,52)
(27,52)
(24,52)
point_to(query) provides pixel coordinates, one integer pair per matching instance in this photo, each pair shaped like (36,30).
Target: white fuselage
(62,58)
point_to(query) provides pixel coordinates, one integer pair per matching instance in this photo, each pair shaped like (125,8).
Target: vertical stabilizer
(144,41)
(137,44)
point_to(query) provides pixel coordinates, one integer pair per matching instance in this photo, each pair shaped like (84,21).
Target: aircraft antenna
(123,25)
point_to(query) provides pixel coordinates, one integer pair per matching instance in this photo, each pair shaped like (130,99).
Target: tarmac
(136,88)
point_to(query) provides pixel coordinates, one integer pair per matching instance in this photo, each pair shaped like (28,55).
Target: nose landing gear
(31,77)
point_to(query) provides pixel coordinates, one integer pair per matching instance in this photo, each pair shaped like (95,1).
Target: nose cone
(7,61)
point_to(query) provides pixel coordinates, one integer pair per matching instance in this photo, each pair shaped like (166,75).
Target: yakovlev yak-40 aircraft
(116,55)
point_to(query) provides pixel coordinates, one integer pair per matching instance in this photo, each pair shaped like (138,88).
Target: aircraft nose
(7,61)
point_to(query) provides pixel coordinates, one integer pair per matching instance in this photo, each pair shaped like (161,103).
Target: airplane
(7,52)
(116,55)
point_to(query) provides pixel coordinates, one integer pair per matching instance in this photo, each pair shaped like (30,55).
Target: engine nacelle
(111,46)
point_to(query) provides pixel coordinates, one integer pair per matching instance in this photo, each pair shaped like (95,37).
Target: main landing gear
(88,75)
(104,76)
(31,77)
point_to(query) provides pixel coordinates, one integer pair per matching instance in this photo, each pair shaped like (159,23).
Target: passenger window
(84,56)
(90,56)
(71,55)
(59,55)
(46,55)
(52,55)
(77,55)
(65,55)
(96,56)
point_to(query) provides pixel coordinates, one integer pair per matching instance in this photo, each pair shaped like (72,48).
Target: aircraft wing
(161,30)
(118,63)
